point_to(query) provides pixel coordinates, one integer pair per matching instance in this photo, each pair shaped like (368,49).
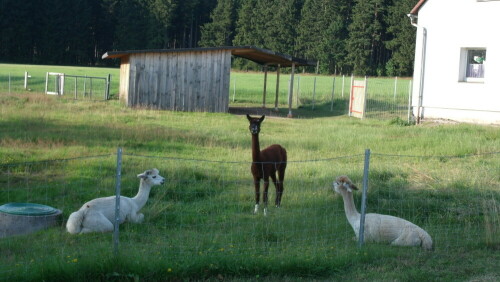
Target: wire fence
(387,97)
(205,208)
(77,87)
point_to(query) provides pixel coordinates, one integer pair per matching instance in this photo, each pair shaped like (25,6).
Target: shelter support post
(277,87)
(290,92)
(265,87)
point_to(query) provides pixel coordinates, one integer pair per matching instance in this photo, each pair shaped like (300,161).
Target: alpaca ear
(347,187)
(249,117)
(262,118)
(350,187)
(145,174)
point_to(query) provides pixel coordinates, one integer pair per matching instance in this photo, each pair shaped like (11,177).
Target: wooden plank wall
(124,79)
(184,81)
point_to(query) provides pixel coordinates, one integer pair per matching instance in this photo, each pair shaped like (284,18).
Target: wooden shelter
(194,79)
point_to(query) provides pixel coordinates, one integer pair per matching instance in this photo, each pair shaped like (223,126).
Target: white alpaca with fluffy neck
(98,215)
(378,227)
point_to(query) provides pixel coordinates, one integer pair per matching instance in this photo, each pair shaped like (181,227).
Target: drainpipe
(413,21)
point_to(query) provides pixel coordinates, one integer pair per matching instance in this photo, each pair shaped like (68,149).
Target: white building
(457,60)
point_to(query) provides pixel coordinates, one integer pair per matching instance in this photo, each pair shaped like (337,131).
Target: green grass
(200,225)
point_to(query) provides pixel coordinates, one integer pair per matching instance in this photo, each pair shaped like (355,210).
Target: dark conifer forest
(367,37)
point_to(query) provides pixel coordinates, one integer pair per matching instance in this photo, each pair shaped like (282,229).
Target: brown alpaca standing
(265,164)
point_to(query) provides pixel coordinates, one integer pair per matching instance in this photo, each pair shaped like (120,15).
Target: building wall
(124,78)
(180,81)
(451,26)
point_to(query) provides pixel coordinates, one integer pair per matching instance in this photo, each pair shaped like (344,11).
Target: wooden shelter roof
(252,53)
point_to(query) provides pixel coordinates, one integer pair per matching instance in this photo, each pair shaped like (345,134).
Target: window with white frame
(473,62)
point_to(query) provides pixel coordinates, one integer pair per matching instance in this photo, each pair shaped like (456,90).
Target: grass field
(200,225)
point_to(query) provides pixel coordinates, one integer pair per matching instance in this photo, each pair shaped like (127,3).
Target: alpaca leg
(136,217)
(96,222)
(265,198)
(280,188)
(257,195)
(408,237)
(406,241)
(277,186)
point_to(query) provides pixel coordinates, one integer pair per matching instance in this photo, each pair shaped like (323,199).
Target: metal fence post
(85,86)
(363,198)
(298,90)
(234,89)
(350,96)
(116,232)
(314,93)
(343,85)
(333,92)
(90,81)
(108,85)
(264,91)
(395,88)
(365,97)
(57,84)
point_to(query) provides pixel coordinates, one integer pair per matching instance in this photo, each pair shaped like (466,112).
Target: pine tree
(17,30)
(245,31)
(281,25)
(79,45)
(402,43)
(323,32)
(336,19)
(309,32)
(131,25)
(263,10)
(220,31)
(366,35)
(158,22)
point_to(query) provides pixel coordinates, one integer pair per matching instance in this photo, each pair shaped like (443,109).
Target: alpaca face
(343,184)
(255,124)
(152,177)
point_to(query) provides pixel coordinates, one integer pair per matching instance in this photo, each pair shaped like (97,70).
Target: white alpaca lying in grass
(98,215)
(378,227)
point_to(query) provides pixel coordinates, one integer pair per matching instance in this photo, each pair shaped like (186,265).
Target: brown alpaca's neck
(255,148)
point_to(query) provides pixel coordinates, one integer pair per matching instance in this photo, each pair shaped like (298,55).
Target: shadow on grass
(306,110)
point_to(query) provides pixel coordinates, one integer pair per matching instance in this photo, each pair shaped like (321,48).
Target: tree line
(367,37)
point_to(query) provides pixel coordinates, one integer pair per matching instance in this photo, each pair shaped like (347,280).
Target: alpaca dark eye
(154,176)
